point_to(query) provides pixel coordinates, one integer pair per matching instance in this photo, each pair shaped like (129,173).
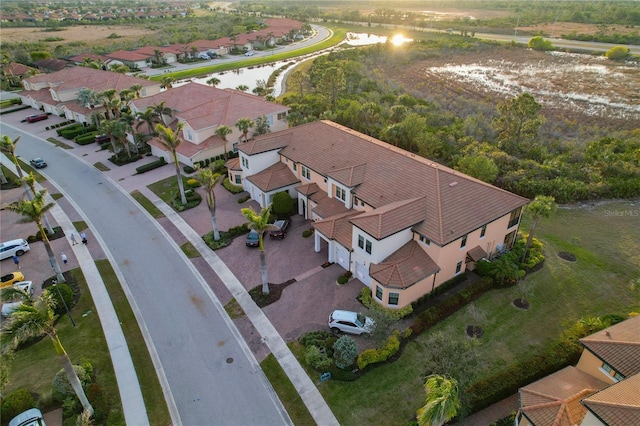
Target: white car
(9,248)
(32,417)
(249,53)
(350,322)
(26,286)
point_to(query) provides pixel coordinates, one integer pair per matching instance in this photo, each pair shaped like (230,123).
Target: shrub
(394,314)
(188,169)
(154,165)
(372,356)
(86,139)
(539,43)
(218,166)
(193,199)
(71,127)
(315,338)
(68,133)
(15,403)
(317,358)
(307,233)
(618,53)
(193,183)
(63,388)
(234,189)
(99,403)
(342,279)
(283,203)
(61,292)
(345,352)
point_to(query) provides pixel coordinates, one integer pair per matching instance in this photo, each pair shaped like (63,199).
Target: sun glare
(399,39)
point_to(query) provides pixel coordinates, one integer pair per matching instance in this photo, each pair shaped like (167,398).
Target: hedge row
(86,138)
(76,131)
(234,189)
(57,125)
(154,165)
(71,127)
(372,356)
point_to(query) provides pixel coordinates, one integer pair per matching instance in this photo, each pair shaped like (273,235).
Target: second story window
(483,231)
(425,240)
(364,244)
(463,242)
(341,193)
(306,172)
(514,218)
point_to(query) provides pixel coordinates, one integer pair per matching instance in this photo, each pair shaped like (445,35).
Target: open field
(90,34)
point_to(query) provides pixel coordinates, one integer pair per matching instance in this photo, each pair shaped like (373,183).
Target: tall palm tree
(242,87)
(33,318)
(244,124)
(541,206)
(30,180)
(115,130)
(167,82)
(32,211)
(148,117)
(136,89)
(224,131)
(107,98)
(442,401)
(171,140)
(160,110)
(128,119)
(209,181)
(259,222)
(8,147)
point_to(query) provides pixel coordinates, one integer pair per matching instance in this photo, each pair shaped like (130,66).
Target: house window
(463,242)
(483,231)
(341,193)
(238,180)
(306,172)
(368,246)
(189,135)
(425,240)
(235,147)
(361,203)
(378,292)
(245,162)
(360,241)
(282,116)
(509,239)
(364,244)
(393,298)
(514,218)
(459,267)
(295,167)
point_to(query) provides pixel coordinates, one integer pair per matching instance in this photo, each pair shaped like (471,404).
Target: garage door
(342,256)
(362,273)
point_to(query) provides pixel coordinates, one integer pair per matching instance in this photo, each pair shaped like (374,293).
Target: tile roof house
(603,389)
(57,92)
(402,224)
(203,109)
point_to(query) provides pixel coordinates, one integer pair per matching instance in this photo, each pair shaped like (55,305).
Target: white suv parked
(350,322)
(9,248)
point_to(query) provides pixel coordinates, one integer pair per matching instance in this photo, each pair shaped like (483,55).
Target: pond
(251,75)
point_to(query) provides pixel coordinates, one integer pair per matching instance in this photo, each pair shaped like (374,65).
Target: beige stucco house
(202,109)
(402,224)
(603,389)
(57,93)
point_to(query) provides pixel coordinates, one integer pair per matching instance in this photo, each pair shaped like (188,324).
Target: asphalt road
(212,375)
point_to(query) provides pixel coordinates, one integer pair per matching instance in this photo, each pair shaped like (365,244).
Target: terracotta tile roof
(268,142)
(189,149)
(477,253)
(90,78)
(456,203)
(15,68)
(337,227)
(555,399)
(307,188)
(128,55)
(80,58)
(52,64)
(391,218)
(233,164)
(327,207)
(405,267)
(619,404)
(349,176)
(618,346)
(42,95)
(76,107)
(203,106)
(273,177)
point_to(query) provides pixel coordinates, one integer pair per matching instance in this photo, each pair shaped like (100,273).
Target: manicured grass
(233,309)
(59,143)
(151,391)
(286,392)
(166,189)
(101,167)
(147,204)
(598,283)
(190,250)
(35,366)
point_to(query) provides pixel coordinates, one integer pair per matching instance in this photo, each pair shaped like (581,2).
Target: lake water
(250,76)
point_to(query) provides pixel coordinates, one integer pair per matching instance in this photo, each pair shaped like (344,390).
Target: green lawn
(562,292)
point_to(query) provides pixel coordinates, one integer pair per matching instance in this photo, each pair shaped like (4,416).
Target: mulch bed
(474,331)
(275,291)
(521,304)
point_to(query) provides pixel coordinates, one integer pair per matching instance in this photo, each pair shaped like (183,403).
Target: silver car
(350,322)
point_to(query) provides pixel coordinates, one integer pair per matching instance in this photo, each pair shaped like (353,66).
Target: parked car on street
(17,247)
(281,232)
(38,163)
(253,239)
(10,279)
(249,53)
(102,138)
(36,117)
(350,322)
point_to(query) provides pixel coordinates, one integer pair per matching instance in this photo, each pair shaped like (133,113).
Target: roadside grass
(80,225)
(152,394)
(59,143)
(147,204)
(189,250)
(34,367)
(286,392)
(562,292)
(167,188)
(101,167)
(233,309)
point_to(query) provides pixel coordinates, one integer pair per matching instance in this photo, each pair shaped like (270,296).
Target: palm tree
(442,401)
(33,211)
(213,81)
(147,117)
(171,141)
(160,110)
(128,119)
(259,222)
(107,98)
(115,130)
(209,181)
(136,89)
(244,124)
(224,131)
(86,97)
(30,180)
(541,206)
(32,319)
(167,82)
(242,87)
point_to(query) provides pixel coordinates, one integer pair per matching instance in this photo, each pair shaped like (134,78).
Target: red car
(37,117)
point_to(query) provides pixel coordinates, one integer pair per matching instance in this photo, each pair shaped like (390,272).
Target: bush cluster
(188,169)
(193,183)
(86,139)
(15,403)
(366,299)
(154,165)
(121,158)
(372,356)
(74,126)
(57,125)
(75,130)
(193,199)
(234,189)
